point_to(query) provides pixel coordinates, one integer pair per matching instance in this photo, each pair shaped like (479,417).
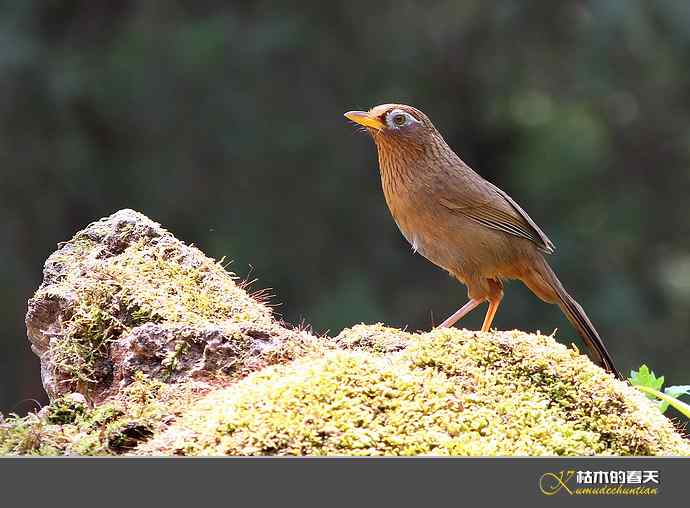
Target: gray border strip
(353,482)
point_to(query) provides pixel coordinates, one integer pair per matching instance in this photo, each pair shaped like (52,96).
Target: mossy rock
(147,346)
(126,296)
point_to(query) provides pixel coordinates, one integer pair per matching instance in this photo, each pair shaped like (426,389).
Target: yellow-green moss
(376,338)
(449,393)
(69,427)
(158,284)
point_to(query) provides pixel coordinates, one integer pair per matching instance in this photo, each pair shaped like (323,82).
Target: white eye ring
(398,118)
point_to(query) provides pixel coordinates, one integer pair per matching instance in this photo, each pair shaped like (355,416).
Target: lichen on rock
(147,346)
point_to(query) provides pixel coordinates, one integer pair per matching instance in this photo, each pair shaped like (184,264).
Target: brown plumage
(463,223)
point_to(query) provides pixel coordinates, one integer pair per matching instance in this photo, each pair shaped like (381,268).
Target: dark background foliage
(223,121)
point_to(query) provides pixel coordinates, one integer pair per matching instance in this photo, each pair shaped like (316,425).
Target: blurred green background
(223,121)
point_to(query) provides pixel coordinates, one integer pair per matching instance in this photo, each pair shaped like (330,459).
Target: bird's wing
(498,211)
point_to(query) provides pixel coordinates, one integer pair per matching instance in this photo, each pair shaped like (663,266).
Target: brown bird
(463,223)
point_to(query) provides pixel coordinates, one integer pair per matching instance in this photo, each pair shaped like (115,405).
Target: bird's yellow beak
(365,119)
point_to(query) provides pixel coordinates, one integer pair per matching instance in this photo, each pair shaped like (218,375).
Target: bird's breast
(424,223)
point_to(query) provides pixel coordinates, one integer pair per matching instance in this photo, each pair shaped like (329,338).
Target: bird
(463,223)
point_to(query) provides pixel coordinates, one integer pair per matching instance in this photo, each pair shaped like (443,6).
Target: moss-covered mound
(148,347)
(448,392)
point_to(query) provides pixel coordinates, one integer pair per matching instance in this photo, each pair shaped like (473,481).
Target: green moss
(376,338)
(172,359)
(93,323)
(573,390)
(65,410)
(448,393)
(29,435)
(163,283)
(68,427)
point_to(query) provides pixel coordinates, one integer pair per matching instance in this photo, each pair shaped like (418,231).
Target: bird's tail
(546,285)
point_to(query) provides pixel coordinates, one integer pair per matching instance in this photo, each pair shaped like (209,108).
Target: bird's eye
(399,119)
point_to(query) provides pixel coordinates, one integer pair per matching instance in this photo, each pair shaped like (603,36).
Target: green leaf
(647,378)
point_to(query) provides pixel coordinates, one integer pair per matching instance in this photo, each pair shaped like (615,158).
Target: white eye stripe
(394,116)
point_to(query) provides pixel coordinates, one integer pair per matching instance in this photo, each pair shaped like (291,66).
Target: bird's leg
(490,313)
(460,313)
(494,301)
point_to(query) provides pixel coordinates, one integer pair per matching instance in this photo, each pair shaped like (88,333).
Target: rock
(125,296)
(148,347)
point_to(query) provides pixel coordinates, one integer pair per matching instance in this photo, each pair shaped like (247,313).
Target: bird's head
(394,125)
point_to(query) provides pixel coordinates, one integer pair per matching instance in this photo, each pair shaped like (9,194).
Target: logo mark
(553,483)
